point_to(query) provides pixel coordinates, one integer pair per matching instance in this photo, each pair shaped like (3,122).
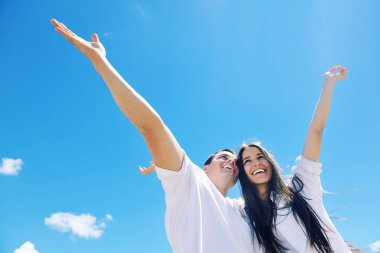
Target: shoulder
(307,178)
(187,167)
(306,167)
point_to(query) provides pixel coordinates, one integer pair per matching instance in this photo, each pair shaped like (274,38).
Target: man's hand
(92,50)
(150,169)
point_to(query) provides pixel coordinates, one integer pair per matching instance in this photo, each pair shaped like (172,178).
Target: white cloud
(109,217)
(83,225)
(10,166)
(103,221)
(27,247)
(375,247)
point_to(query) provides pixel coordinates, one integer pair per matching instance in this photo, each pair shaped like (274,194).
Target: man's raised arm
(163,146)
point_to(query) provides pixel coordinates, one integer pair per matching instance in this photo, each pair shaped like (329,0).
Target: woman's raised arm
(313,140)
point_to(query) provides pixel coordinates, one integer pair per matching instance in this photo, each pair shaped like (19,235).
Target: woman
(291,217)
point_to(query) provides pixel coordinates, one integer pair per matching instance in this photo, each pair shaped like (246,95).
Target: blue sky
(218,72)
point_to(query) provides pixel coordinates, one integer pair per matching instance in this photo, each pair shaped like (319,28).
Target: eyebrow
(227,155)
(256,156)
(246,158)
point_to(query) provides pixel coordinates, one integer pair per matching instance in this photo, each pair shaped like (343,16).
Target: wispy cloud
(375,247)
(140,10)
(107,34)
(83,225)
(109,217)
(10,166)
(27,247)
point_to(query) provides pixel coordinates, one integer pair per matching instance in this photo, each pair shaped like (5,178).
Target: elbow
(150,127)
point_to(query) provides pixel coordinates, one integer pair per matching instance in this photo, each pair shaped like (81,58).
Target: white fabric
(289,231)
(199,219)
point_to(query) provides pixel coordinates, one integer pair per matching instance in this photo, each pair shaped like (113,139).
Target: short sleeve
(176,183)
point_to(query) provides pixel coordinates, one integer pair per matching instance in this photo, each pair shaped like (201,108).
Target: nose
(232,162)
(256,163)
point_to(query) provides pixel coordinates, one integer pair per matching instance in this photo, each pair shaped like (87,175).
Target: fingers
(340,73)
(61,27)
(95,38)
(146,171)
(343,72)
(142,170)
(54,21)
(65,34)
(68,36)
(332,69)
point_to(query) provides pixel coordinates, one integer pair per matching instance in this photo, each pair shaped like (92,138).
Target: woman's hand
(336,73)
(150,169)
(92,50)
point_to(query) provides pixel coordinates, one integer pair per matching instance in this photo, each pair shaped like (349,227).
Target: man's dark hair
(211,157)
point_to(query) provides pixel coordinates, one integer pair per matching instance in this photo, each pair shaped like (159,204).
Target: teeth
(258,171)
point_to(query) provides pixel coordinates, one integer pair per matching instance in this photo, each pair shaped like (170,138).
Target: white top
(199,219)
(289,231)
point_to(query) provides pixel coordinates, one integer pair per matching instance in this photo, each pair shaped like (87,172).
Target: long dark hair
(262,214)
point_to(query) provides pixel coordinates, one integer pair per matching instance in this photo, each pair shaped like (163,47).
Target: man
(199,218)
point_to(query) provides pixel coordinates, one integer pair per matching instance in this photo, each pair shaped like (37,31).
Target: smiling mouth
(229,168)
(256,172)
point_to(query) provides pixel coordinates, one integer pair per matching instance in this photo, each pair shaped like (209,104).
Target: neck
(222,188)
(262,189)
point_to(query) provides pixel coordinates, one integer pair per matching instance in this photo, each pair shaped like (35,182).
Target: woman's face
(256,166)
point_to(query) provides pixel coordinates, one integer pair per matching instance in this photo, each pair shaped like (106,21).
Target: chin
(259,182)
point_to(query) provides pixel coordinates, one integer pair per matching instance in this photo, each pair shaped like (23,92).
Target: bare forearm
(164,148)
(322,109)
(133,106)
(313,140)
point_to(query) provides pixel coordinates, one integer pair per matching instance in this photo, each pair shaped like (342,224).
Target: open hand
(91,49)
(336,73)
(150,169)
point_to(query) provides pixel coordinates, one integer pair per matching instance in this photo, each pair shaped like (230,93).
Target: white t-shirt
(199,219)
(289,231)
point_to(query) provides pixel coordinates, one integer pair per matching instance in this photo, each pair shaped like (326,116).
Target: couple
(274,216)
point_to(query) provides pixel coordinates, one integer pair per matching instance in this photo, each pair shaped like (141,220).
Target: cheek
(246,170)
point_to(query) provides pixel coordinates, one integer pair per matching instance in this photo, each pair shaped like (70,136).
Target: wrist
(329,83)
(99,61)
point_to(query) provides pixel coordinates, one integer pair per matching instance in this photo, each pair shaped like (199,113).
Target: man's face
(222,169)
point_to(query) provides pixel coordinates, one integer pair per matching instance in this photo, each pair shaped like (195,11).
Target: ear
(205,169)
